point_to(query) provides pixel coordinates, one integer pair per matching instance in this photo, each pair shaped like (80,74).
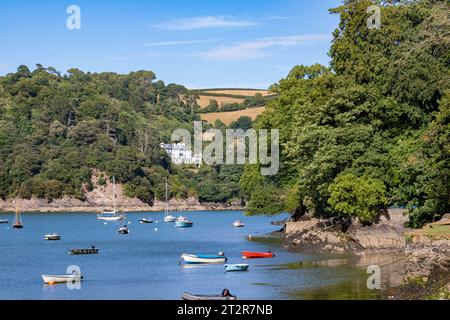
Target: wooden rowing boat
(54,279)
(92,250)
(190,296)
(203,259)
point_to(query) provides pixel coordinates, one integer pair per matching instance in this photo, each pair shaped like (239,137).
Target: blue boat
(183,222)
(236,267)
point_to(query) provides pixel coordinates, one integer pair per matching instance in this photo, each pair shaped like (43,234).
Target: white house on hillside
(180,154)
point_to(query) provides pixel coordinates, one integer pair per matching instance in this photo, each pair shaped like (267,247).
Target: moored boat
(145,221)
(3,221)
(54,279)
(203,258)
(167,216)
(92,250)
(124,230)
(236,267)
(18,220)
(226,295)
(52,236)
(255,255)
(183,222)
(112,215)
(238,224)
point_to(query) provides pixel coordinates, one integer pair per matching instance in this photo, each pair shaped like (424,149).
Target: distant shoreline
(71,205)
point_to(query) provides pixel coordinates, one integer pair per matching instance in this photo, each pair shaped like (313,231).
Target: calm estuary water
(144,264)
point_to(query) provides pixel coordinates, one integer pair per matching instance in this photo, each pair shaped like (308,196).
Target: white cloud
(177,43)
(206,22)
(259,48)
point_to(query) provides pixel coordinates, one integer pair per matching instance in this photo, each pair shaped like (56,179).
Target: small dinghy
(183,222)
(52,237)
(92,250)
(204,258)
(236,267)
(145,221)
(256,255)
(53,279)
(238,224)
(3,221)
(226,295)
(124,230)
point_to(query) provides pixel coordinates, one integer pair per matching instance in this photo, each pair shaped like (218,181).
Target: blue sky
(199,44)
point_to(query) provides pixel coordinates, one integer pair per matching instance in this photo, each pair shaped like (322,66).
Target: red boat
(254,255)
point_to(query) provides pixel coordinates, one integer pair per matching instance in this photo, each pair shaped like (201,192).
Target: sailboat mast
(114,193)
(167,199)
(18,222)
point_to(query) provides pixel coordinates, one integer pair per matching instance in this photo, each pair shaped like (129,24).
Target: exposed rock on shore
(426,258)
(101,198)
(315,236)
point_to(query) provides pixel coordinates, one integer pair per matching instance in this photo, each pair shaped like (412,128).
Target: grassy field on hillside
(228,117)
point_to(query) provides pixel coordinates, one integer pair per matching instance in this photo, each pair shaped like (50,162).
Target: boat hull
(236,267)
(257,255)
(203,259)
(52,279)
(190,296)
(183,224)
(73,252)
(3,221)
(52,237)
(170,219)
(119,218)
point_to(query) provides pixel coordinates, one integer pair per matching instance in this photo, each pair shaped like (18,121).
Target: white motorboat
(54,279)
(3,221)
(52,236)
(238,224)
(124,230)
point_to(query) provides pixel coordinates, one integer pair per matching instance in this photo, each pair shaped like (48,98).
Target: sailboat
(111,215)
(168,217)
(17,221)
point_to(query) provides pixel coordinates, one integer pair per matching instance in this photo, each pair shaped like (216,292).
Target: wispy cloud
(206,22)
(134,57)
(259,48)
(178,43)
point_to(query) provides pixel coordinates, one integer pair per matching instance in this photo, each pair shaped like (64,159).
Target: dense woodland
(56,130)
(367,132)
(371,130)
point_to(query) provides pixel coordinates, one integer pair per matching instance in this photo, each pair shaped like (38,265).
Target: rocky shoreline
(71,205)
(101,199)
(426,266)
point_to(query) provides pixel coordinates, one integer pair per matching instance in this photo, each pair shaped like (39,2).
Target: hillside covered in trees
(55,130)
(371,130)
